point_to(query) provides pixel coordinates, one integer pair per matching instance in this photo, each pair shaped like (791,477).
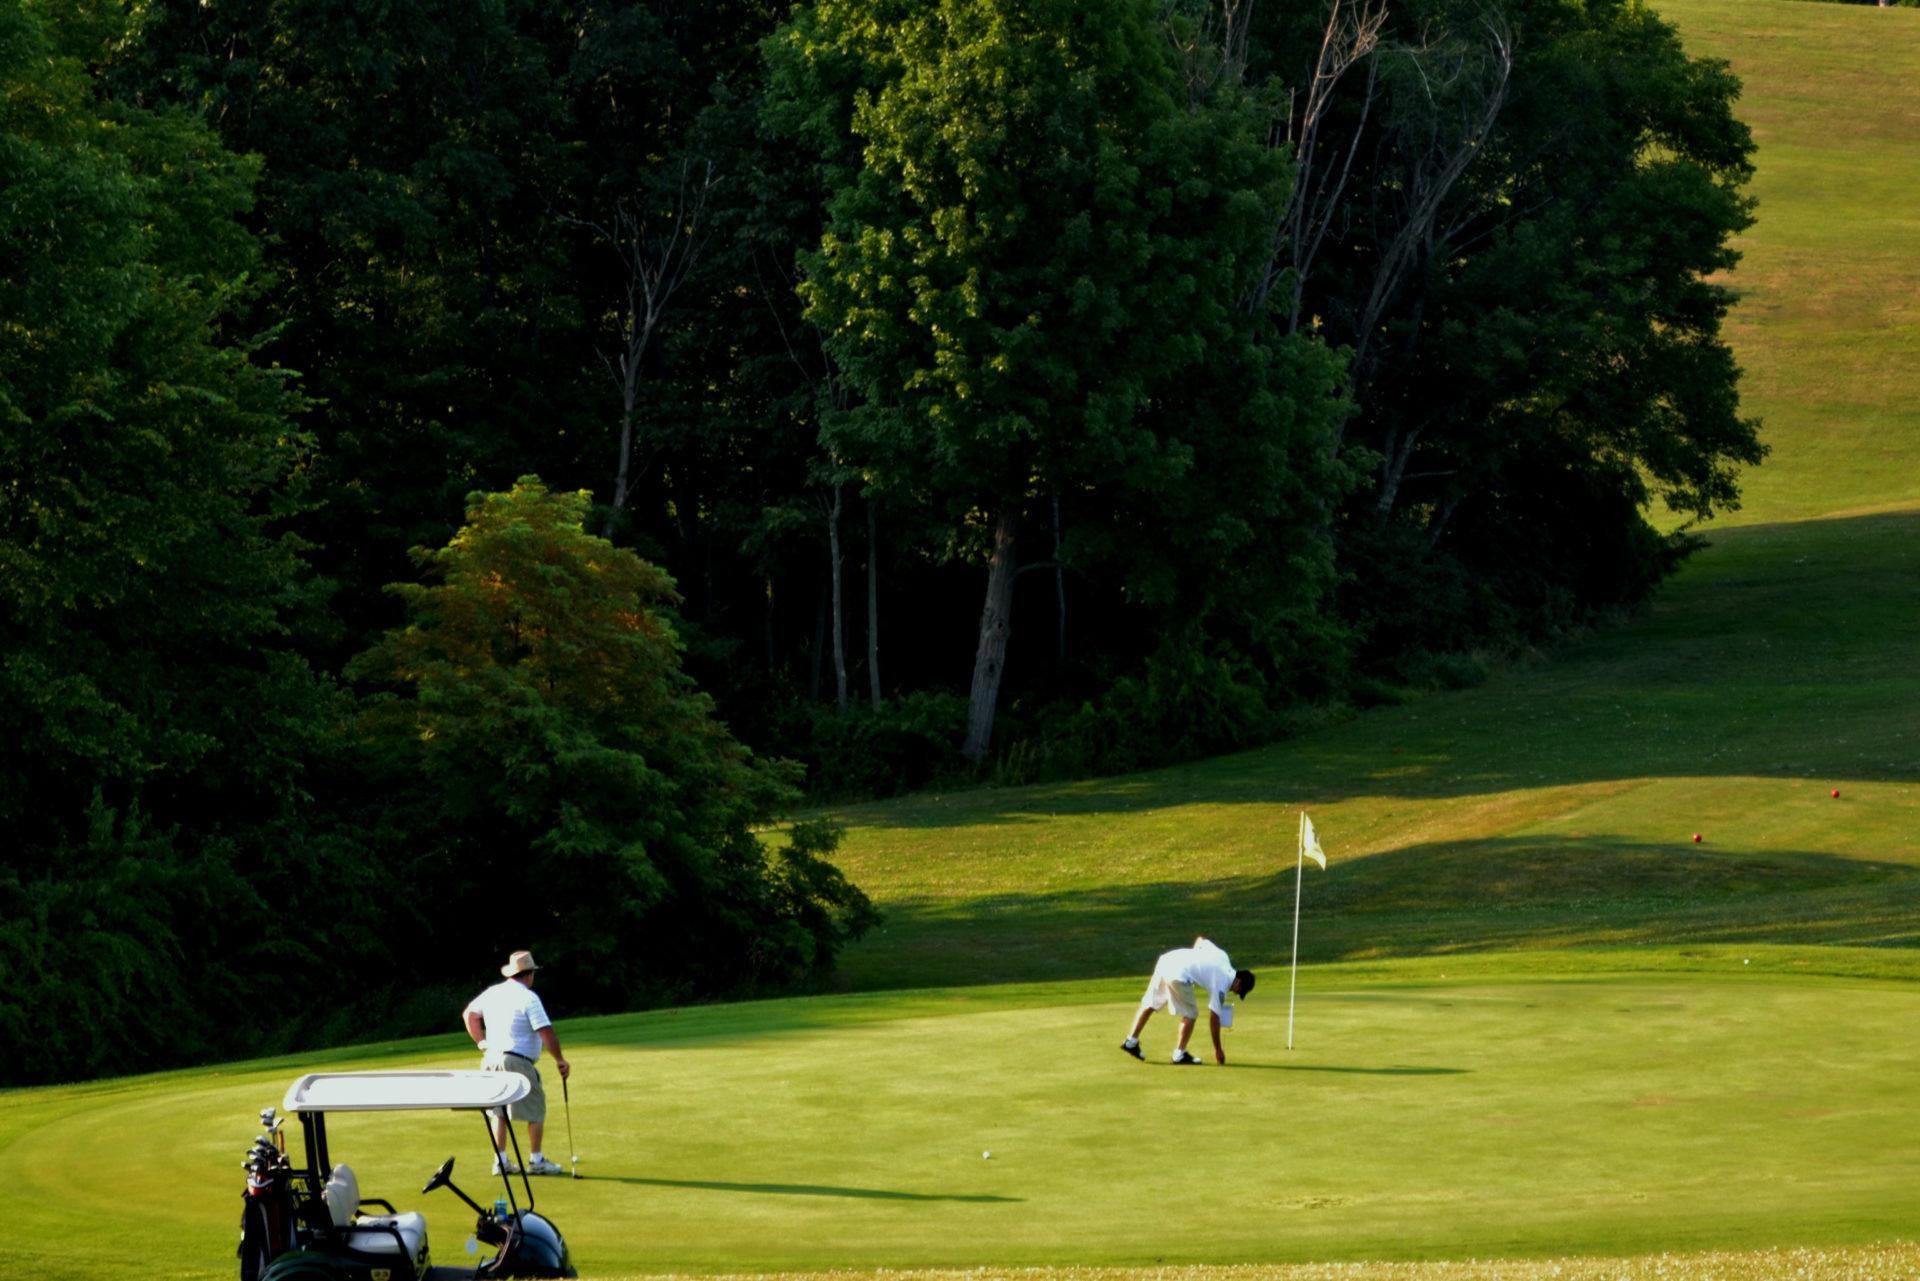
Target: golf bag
(266,1207)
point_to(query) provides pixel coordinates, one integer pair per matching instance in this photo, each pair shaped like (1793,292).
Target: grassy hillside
(1782,663)
(1828,327)
(1564,796)
(1537,1020)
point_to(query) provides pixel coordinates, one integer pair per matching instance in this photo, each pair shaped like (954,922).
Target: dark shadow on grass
(1356,1071)
(1433,899)
(798,1189)
(1782,650)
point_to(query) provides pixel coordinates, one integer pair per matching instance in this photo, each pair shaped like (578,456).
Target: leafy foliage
(1031,276)
(1551,361)
(956,287)
(545,738)
(156,714)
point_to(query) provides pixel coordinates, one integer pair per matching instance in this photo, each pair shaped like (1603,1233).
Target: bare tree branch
(658,246)
(1431,172)
(1351,36)
(1209,41)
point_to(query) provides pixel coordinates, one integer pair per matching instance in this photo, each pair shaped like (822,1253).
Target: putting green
(1432,1109)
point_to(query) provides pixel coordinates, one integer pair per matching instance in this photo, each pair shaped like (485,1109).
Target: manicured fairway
(1486,1112)
(1526,1029)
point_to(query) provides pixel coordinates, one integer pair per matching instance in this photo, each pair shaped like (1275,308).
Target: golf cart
(310,1223)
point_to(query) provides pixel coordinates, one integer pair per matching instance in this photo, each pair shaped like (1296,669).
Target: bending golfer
(509,1024)
(1177,978)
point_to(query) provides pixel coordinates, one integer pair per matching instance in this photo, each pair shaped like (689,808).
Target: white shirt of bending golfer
(513,1016)
(1180,972)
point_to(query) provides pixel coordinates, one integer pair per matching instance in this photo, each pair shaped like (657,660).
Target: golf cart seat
(376,1234)
(342,1195)
(373,1235)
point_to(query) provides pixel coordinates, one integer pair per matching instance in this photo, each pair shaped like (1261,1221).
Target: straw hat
(518,963)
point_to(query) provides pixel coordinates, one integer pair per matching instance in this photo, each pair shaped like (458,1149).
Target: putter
(567,1100)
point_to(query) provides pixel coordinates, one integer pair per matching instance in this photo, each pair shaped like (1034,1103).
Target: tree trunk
(1438,525)
(629,404)
(839,613)
(767,628)
(1059,591)
(873,608)
(990,659)
(819,642)
(655,261)
(1394,456)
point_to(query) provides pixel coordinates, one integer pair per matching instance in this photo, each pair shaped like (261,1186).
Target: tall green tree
(156,719)
(468,206)
(1535,202)
(563,782)
(1035,251)
(411,152)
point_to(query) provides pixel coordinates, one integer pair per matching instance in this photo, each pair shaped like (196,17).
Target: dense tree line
(469,466)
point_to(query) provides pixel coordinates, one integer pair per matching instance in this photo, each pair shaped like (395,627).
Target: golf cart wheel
(298,1265)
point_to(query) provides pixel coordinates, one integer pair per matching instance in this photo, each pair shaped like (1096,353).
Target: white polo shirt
(1204,965)
(513,1016)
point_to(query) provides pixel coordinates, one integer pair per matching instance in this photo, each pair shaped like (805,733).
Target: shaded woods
(469,469)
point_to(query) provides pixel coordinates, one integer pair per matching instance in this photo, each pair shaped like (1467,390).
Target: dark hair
(1243,979)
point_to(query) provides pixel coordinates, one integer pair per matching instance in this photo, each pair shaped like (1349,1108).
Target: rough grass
(1828,326)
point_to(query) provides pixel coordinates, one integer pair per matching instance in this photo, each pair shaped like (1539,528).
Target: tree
(1537,199)
(1033,260)
(410,154)
(541,735)
(157,723)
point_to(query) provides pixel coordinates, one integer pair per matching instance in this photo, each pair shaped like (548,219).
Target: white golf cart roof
(403,1091)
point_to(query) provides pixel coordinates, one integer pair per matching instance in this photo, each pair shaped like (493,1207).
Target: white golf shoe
(505,1165)
(542,1165)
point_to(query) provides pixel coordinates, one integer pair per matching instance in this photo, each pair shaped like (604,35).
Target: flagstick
(1299,873)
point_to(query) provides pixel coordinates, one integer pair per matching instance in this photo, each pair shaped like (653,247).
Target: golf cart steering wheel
(440,1177)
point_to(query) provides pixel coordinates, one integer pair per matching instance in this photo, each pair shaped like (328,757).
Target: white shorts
(1164,991)
(534,1106)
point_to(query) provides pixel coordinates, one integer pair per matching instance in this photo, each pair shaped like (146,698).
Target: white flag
(1310,844)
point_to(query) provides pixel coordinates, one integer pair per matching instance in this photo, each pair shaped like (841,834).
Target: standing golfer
(1177,978)
(509,1024)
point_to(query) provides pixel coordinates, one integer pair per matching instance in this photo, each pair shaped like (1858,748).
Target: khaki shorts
(1164,991)
(534,1106)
